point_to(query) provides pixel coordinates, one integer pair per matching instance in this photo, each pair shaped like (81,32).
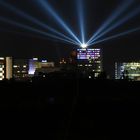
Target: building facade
(129,70)
(20,68)
(90,61)
(37,66)
(5,68)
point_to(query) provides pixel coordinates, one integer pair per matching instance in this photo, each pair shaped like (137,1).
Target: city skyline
(19,42)
(76,63)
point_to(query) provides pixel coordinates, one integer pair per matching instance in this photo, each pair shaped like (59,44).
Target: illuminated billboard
(85,54)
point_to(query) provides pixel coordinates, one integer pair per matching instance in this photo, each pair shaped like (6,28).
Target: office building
(9,69)
(130,70)
(2,68)
(5,68)
(20,68)
(90,61)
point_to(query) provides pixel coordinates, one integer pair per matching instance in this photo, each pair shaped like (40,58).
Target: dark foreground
(71,109)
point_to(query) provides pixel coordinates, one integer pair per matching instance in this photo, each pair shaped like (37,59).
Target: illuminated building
(37,64)
(33,65)
(130,70)
(90,61)
(20,68)
(9,69)
(5,68)
(2,68)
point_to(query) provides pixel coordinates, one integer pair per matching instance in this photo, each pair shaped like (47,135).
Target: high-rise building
(90,61)
(5,68)
(9,69)
(129,70)
(2,68)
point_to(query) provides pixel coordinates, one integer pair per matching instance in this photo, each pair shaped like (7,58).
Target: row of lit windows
(21,71)
(131,64)
(17,66)
(133,74)
(88,52)
(84,55)
(88,49)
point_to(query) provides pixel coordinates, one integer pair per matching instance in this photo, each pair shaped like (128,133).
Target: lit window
(90,77)
(1,74)
(35,59)
(96,74)
(1,58)
(24,66)
(44,61)
(15,66)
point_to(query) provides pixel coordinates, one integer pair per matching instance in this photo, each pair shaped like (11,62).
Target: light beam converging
(34,20)
(81,20)
(117,35)
(126,4)
(122,21)
(114,21)
(22,26)
(47,7)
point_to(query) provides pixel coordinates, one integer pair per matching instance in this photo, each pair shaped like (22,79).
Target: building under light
(130,70)
(37,65)
(90,61)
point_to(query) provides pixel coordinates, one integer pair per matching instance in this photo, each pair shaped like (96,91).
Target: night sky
(19,42)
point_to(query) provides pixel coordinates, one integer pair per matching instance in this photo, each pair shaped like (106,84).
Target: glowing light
(84,46)
(47,7)
(34,20)
(113,17)
(81,19)
(35,59)
(33,30)
(44,61)
(123,20)
(70,36)
(116,36)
